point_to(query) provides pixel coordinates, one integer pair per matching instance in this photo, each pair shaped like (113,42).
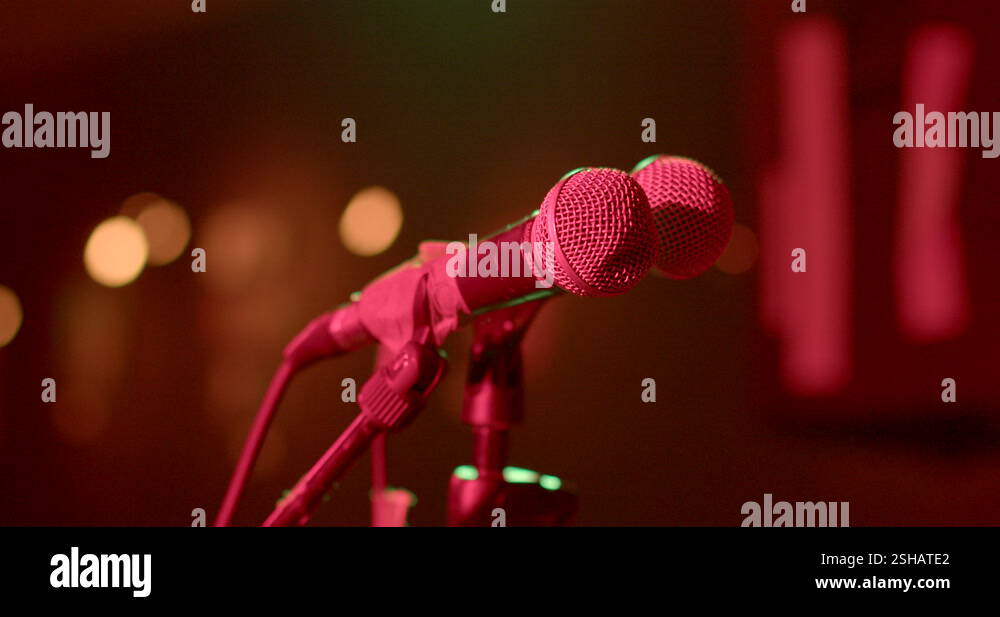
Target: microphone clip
(396,392)
(400,388)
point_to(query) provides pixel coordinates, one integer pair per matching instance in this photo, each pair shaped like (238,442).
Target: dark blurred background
(824,385)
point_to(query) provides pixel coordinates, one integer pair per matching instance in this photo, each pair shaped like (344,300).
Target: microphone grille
(600,224)
(692,213)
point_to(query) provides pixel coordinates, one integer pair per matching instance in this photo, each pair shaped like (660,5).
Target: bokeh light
(135,204)
(116,252)
(167,230)
(741,253)
(371,221)
(247,243)
(10,315)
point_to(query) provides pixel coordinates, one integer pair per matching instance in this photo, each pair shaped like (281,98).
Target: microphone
(594,229)
(597,226)
(692,212)
(605,229)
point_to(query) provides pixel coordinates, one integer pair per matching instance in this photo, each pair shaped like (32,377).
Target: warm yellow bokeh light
(741,253)
(116,252)
(371,221)
(135,204)
(167,230)
(10,315)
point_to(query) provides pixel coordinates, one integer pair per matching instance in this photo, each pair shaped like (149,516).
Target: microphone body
(592,236)
(604,232)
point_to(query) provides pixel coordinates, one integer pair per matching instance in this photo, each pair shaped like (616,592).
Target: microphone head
(692,213)
(601,229)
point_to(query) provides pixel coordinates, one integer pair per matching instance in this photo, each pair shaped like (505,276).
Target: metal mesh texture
(692,213)
(601,226)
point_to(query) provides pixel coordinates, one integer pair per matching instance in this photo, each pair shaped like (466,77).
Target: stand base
(520,497)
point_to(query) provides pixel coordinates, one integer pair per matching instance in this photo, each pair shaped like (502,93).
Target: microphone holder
(389,400)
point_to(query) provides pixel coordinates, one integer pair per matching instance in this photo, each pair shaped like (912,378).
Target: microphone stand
(493,404)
